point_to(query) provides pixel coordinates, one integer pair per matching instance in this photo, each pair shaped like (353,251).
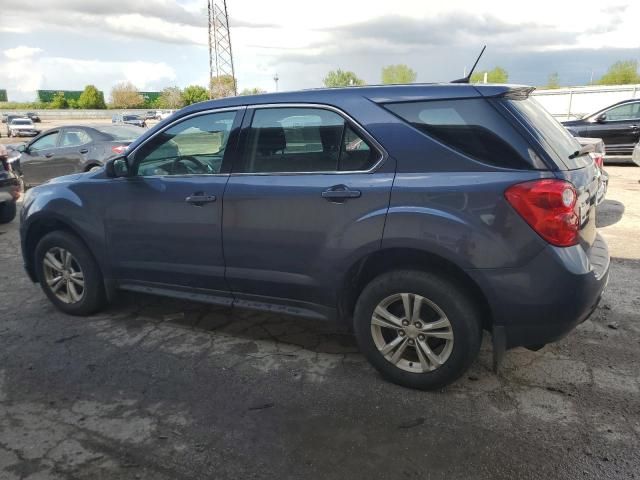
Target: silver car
(636,155)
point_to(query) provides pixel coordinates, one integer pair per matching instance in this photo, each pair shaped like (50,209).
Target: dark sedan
(617,125)
(72,149)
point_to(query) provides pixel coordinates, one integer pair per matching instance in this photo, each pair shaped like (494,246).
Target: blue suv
(421,215)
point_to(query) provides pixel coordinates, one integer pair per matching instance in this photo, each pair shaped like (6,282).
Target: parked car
(35,118)
(465,207)
(22,127)
(9,118)
(150,115)
(162,114)
(617,125)
(129,120)
(71,149)
(636,154)
(9,188)
(598,154)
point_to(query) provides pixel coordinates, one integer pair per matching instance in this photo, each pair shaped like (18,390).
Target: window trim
(630,119)
(240,109)
(359,129)
(46,134)
(63,131)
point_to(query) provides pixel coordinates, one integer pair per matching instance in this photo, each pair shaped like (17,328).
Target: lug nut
(418,325)
(401,333)
(420,337)
(405,323)
(410,342)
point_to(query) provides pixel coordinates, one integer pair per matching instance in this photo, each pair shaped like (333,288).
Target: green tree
(252,91)
(59,101)
(497,75)
(91,97)
(194,94)
(621,73)
(126,95)
(171,97)
(553,81)
(223,86)
(398,74)
(342,78)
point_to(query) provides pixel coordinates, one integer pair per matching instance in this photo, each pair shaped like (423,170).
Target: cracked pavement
(155,388)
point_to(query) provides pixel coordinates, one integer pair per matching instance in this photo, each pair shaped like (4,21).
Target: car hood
(74,177)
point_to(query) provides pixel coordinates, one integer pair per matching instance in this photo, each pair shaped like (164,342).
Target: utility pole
(220,54)
(275,79)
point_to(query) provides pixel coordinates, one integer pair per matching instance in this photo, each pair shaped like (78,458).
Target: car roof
(375,93)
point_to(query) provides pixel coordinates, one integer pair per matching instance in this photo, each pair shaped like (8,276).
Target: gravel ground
(162,389)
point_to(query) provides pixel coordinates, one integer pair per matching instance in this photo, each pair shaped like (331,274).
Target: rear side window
(472,127)
(296,140)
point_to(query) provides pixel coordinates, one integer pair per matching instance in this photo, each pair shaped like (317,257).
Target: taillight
(118,149)
(549,207)
(599,160)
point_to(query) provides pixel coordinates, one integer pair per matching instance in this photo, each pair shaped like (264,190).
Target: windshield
(553,135)
(121,132)
(131,117)
(21,122)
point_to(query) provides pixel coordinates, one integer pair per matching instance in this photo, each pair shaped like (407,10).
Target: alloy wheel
(63,275)
(412,332)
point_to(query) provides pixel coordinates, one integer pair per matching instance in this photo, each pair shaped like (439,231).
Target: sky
(67,44)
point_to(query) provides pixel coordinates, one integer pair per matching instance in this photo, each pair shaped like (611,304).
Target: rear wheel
(417,329)
(7,211)
(68,274)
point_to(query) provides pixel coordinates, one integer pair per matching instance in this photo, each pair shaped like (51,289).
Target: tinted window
(557,138)
(473,127)
(630,111)
(48,141)
(304,140)
(74,137)
(193,146)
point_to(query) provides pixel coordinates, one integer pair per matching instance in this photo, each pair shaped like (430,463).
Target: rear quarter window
(472,127)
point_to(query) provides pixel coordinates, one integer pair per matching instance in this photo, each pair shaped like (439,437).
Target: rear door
(35,160)
(310,192)
(620,129)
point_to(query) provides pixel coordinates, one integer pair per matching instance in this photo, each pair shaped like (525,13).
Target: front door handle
(200,199)
(340,192)
(84,150)
(49,155)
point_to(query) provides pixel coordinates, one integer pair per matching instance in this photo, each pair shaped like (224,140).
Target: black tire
(7,211)
(459,309)
(93,298)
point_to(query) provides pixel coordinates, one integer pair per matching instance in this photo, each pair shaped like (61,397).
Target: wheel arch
(382,261)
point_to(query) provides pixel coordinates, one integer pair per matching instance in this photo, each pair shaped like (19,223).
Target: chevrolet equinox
(421,215)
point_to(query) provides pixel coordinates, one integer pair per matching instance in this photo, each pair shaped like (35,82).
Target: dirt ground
(162,389)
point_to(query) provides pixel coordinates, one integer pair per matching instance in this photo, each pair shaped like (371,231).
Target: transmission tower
(220,56)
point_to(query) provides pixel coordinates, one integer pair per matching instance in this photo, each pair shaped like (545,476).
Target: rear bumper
(546,299)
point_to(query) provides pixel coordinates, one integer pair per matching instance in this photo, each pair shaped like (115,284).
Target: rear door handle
(200,199)
(340,192)
(49,155)
(84,150)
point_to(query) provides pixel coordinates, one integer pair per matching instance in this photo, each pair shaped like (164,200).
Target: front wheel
(417,329)
(68,274)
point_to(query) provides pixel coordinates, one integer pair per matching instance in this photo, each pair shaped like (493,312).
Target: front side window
(294,140)
(472,127)
(74,138)
(191,147)
(629,111)
(44,143)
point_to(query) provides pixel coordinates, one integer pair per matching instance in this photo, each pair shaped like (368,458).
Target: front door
(35,161)
(620,129)
(301,205)
(163,223)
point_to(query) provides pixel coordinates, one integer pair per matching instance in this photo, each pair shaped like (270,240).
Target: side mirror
(601,118)
(117,167)
(22,148)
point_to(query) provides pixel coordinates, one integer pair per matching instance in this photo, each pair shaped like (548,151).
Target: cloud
(21,52)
